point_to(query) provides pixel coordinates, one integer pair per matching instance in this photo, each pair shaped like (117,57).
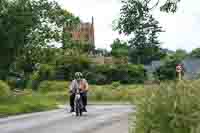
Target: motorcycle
(78,104)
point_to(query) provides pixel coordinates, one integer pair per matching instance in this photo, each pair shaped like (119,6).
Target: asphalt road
(98,119)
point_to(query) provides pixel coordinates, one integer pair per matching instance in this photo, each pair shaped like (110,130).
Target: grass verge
(14,105)
(42,101)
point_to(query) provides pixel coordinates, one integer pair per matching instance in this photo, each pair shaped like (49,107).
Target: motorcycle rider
(78,83)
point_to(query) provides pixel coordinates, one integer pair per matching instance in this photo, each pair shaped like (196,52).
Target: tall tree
(164,5)
(195,53)
(28,23)
(119,48)
(136,21)
(180,54)
(16,21)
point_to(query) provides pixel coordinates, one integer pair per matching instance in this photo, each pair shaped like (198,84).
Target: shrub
(168,70)
(46,72)
(4,89)
(169,108)
(34,81)
(71,64)
(53,86)
(100,79)
(115,85)
(126,74)
(14,83)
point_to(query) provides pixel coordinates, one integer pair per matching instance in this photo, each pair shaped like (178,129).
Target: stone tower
(83,33)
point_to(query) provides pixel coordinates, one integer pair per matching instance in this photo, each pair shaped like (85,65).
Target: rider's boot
(84,109)
(72,110)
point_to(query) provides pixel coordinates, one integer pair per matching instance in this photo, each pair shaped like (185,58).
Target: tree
(14,27)
(168,70)
(180,54)
(36,55)
(52,19)
(28,23)
(195,53)
(144,45)
(78,48)
(169,5)
(166,6)
(119,48)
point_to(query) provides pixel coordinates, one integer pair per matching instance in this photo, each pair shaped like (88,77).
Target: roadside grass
(108,93)
(20,104)
(102,94)
(168,108)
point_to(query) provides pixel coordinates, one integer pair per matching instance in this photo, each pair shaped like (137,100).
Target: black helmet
(78,75)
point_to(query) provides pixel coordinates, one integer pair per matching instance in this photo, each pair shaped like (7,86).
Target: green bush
(45,72)
(168,70)
(169,108)
(15,82)
(126,74)
(68,65)
(53,86)
(4,89)
(98,79)
(115,85)
(34,81)
(99,74)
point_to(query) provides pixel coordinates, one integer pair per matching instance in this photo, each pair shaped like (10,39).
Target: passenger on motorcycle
(78,83)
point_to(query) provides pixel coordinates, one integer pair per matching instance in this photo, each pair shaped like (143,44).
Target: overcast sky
(182,29)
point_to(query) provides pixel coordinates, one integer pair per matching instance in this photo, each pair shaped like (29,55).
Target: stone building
(83,33)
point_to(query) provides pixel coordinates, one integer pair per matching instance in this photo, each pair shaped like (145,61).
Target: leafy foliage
(169,108)
(119,48)
(106,74)
(180,54)
(14,28)
(4,89)
(170,6)
(28,24)
(136,20)
(53,86)
(195,53)
(45,72)
(168,70)
(76,48)
(34,56)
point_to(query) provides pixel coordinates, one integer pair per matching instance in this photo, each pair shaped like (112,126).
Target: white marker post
(179,70)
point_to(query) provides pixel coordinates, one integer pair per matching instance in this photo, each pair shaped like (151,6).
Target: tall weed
(169,108)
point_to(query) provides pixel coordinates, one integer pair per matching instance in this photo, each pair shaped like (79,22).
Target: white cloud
(182,28)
